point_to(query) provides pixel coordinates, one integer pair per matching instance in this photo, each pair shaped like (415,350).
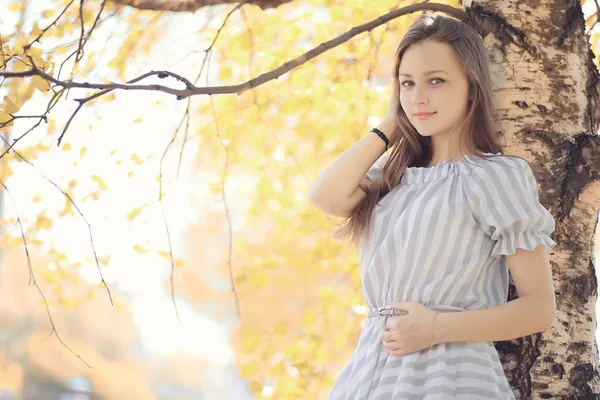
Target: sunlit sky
(140,276)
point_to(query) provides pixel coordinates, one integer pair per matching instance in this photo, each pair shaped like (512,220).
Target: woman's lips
(421,117)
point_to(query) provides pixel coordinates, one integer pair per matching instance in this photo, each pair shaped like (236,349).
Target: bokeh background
(233,187)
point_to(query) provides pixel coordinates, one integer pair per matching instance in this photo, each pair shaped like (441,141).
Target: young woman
(439,221)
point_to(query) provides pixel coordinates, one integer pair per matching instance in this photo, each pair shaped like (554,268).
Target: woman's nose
(419,97)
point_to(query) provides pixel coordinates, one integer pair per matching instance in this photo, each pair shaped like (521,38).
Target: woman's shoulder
(497,163)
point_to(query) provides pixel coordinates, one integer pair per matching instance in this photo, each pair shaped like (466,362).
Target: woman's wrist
(387,127)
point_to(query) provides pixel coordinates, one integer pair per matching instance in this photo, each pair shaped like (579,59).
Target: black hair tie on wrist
(382,136)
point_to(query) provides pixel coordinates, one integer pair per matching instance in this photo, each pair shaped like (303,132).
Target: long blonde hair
(410,148)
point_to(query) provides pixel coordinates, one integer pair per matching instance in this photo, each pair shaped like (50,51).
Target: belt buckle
(386,312)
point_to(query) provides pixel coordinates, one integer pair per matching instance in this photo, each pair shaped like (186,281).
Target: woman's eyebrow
(426,72)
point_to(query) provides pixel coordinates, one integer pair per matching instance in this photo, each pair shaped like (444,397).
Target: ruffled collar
(442,169)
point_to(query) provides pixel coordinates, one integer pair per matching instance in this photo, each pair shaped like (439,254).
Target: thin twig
(165,221)
(78,210)
(32,280)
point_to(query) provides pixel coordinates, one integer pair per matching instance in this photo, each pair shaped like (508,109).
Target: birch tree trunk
(546,85)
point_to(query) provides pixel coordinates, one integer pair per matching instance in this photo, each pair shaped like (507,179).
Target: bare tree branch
(192,90)
(239,89)
(192,5)
(43,32)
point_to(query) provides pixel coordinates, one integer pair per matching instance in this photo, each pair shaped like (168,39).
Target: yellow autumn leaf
(67,209)
(135,212)
(225,72)
(309,317)
(67,146)
(312,346)
(240,278)
(136,159)
(279,369)
(139,249)
(258,279)
(250,344)
(39,62)
(255,386)
(164,254)
(18,49)
(104,260)
(82,151)
(9,106)
(34,51)
(8,125)
(4,117)
(48,13)
(279,327)
(60,30)
(36,31)
(88,16)
(41,84)
(109,96)
(20,66)
(43,222)
(66,302)
(62,273)
(61,50)
(249,370)
(99,181)
(137,120)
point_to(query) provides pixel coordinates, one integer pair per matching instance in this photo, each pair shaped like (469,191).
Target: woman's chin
(425,133)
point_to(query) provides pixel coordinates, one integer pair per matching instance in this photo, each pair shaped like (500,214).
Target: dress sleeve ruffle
(375,172)
(503,196)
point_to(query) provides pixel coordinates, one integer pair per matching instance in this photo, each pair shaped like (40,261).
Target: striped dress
(438,238)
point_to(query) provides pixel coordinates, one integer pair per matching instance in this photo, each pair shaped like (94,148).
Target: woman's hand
(393,106)
(389,125)
(409,333)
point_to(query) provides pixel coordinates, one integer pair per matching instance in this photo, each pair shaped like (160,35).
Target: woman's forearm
(340,179)
(514,319)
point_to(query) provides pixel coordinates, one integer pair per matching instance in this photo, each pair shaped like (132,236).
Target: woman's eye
(432,79)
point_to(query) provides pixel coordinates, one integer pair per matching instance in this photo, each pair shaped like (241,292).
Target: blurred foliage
(299,290)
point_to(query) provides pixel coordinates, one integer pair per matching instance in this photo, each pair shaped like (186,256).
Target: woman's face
(443,93)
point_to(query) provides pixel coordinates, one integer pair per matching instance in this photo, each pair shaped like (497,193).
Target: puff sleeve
(503,196)
(375,172)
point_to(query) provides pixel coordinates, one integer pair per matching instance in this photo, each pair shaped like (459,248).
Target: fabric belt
(392,312)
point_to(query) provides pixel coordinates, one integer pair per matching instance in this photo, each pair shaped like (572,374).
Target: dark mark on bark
(573,22)
(485,22)
(521,104)
(582,167)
